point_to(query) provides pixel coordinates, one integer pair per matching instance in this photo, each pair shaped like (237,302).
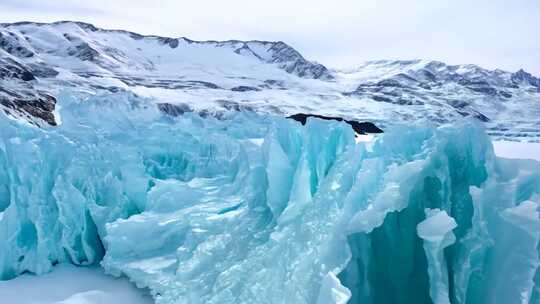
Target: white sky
(338,33)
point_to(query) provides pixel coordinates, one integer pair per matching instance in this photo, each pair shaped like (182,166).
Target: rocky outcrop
(291,61)
(357,126)
(34,106)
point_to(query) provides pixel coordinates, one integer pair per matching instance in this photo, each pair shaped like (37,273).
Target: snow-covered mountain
(256,208)
(508,102)
(38,61)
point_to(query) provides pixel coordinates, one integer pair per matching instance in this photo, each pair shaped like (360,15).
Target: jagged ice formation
(260,209)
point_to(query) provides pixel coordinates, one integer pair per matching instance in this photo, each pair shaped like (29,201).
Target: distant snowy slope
(81,47)
(38,61)
(508,102)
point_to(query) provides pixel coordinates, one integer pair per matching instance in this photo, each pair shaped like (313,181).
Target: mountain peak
(279,53)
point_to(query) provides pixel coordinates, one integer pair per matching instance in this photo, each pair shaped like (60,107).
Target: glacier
(251,208)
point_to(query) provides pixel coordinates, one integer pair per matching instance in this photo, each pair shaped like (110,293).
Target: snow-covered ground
(516,149)
(68,284)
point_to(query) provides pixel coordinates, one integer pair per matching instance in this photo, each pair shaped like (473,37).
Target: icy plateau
(170,161)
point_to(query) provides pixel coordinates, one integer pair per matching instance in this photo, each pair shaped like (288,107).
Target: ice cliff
(260,209)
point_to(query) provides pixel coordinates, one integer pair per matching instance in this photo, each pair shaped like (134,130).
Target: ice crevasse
(252,208)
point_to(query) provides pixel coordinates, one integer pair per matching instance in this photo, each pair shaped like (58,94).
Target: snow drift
(260,209)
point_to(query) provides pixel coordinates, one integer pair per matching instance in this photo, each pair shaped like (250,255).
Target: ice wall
(258,209)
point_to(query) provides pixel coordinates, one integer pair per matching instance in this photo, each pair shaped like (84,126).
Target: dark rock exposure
(358,127)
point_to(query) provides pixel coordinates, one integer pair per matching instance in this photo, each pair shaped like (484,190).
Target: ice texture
(436,232)
(260,209)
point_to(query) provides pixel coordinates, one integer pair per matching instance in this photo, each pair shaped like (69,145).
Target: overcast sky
(338,33)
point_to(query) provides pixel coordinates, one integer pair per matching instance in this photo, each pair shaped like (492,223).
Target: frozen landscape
(172,165)
(211,77)
(67,284)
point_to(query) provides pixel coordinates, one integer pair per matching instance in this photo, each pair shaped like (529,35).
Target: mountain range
(38,61)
